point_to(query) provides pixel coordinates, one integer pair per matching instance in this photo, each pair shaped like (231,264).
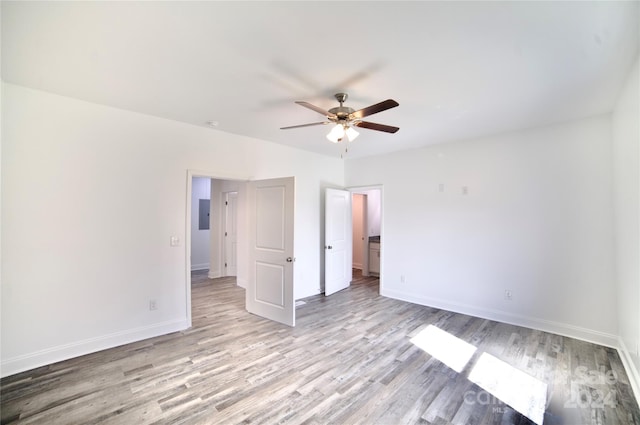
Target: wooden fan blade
(374,109)
(375,126)
(315,108)
(305,125)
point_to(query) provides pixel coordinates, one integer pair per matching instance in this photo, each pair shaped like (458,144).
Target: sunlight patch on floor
(519,390)
(445,347)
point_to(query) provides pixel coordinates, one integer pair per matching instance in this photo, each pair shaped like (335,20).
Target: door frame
(187,239)
(225,223)
(361,189)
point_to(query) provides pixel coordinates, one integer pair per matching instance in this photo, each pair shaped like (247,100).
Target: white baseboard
(51,355)
(630,367)
(589,335)
(356,266)
(308,293)
(202,266)
(214,274)
(241,283)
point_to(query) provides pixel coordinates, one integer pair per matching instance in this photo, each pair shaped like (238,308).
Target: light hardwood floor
(348,361)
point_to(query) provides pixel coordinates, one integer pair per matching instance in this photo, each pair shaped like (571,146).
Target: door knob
(329,247)
(289,260)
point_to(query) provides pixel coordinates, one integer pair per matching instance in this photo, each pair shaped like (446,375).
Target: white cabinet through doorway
(374,258)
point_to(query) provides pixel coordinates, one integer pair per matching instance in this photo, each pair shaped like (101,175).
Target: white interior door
(231,234)
(270,288)
(338,243)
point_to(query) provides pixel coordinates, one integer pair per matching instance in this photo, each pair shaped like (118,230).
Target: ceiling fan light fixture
(336,134)
(331,138)
(351,134)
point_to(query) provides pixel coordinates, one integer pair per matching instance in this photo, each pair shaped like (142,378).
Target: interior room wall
(529,212)
(85,255)
(357,207)
(374,209)
(215,236)
(373,212)
(626,163)
(243,224)
(200,189)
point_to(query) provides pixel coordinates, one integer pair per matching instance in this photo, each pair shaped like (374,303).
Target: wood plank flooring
(348,361)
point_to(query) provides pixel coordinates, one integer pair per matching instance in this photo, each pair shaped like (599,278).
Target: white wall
(537,220)
(357,210)
(215,237)
(374,209)
(626,161)
(91,196)
(373,212)
(200,189)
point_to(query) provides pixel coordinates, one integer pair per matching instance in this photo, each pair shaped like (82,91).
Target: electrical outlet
(153,305)
(508,295)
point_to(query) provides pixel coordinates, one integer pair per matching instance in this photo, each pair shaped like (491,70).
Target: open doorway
(214,227)
(226,206)
(200,224)
(367,230)
(242,218)
(352,232)
(207,221)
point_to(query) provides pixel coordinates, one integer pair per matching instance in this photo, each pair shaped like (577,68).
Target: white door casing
(271,213)
(338,241)
(231,234)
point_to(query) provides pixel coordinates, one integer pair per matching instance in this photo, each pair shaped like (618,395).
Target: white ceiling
(458,69)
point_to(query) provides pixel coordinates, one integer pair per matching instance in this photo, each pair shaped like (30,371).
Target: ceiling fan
(346,118)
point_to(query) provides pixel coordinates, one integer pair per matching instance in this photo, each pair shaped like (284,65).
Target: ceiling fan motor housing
(342,112)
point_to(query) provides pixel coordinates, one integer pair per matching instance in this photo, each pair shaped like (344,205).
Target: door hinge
(226,203)
(225,233)
(225,264)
